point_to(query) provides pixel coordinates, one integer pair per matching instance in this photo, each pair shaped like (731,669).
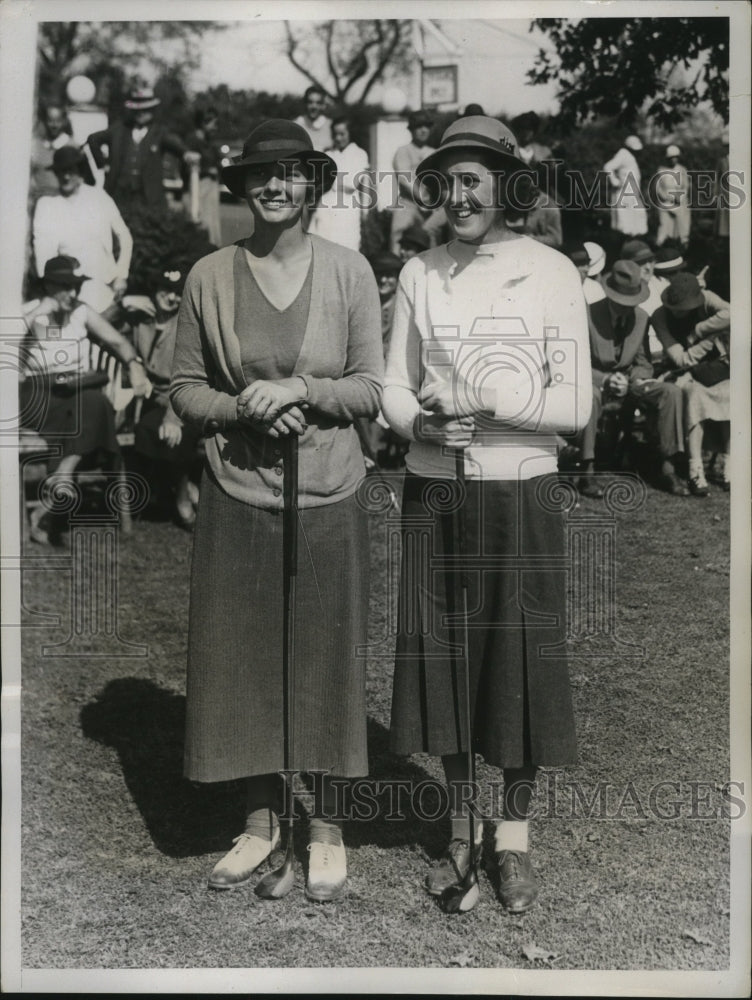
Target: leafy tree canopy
(619,66)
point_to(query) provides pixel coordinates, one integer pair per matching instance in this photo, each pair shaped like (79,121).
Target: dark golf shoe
(453,866)
(237,866)
(518,888)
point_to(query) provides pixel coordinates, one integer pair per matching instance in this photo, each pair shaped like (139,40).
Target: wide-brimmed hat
(668,261)
(416,236)
(638,251)
(279,139)
(633,142)
(141,99)
(475,134)
(684,293)
(64,270)
(624,284)
(597,256)
(672,151)
(67,158)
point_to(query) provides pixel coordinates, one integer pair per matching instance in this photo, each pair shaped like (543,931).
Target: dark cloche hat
(279,139)
(476,133)
(64,270)
(67,158)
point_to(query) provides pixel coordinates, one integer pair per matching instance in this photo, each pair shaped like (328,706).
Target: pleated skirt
(515,563)
(235,720)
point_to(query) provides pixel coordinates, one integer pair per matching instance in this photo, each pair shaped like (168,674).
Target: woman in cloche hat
(694,328)
(488,355)
(60,397)
(278,335)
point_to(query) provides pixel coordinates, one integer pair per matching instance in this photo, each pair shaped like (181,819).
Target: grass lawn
(117,846)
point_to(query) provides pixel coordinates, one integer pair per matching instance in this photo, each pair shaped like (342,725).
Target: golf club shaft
(290,559)
(461,555)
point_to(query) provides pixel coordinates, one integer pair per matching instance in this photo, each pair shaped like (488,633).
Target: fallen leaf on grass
(463,960)
(696,937)
(535,954)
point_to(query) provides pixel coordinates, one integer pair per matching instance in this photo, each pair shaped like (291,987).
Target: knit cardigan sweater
(340,360)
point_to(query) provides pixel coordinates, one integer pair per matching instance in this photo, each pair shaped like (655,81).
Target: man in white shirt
(314,121)
(83,222)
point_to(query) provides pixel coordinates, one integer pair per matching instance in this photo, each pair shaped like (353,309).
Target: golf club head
(463,896)
(276,884)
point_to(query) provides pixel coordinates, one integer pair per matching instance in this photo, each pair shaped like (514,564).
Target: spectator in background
(83,222)
(53,133)
(472,109)
(668,261)
(592,285)
(160,435)
(623,375)
(340,210)
(693,325)
(578,254)
(314,121)
(413,241)
(628,212)
(525,128)
(135,148)
(672,196)
(642,255)
(203,141)
(542,222)
(78,418)
(406,159)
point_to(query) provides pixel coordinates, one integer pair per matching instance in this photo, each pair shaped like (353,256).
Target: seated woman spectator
(75,415)
(693,326)
(161,438)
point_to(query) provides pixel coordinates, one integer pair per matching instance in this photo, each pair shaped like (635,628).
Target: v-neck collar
(313,324)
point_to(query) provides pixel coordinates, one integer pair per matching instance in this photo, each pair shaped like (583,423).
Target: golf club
(277,883)
(464,895)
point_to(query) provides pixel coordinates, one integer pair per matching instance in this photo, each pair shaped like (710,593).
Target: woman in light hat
(693,325)
(671,185)
(628,212)
(488,354)
(278,334)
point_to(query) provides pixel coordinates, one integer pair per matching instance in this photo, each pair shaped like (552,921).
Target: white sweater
(510,315)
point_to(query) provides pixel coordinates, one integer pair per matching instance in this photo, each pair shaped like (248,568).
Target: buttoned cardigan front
(340,361)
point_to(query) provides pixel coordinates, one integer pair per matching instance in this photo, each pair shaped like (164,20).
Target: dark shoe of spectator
(518,888)
(589,487)
(671,483)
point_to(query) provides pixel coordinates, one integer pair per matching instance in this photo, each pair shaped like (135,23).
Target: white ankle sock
(511,835)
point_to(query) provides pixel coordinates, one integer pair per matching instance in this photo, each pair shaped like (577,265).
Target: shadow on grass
(145,724)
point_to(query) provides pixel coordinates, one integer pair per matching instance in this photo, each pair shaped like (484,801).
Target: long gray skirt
(521,706)
(235,700)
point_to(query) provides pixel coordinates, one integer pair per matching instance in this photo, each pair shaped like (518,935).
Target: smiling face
(340,135)
(314,105)
(472,206)
(54,121)
(69,179)
(276,192)
(66,295)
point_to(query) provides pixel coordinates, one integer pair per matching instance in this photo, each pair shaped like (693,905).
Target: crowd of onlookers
(658,310)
